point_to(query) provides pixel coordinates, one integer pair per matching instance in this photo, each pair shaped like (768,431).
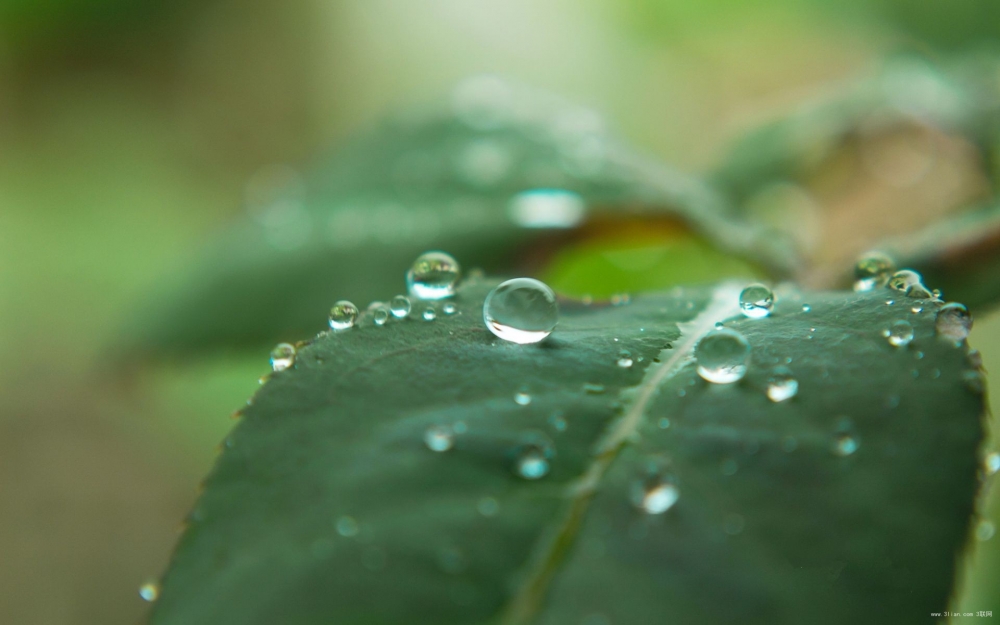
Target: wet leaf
(847,502)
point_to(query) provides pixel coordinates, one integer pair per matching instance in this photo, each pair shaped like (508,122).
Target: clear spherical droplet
(439,438)
(150,591)
(282,356)
(910,283)
(400,306)
(522,310)
(343,315)
(871,270)
(625,359)
(429,314)
(522,398)
(844,445)
(722,356)
(433,276)
(899,333)
(781,385)
(380,315)
(655,491)
(991,463)
(756,301)
(953,322)
(533,457)
(449,309)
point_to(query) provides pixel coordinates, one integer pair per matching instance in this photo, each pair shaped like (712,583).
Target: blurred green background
(128,132)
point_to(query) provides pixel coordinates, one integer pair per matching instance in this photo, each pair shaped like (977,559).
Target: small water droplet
(899,333)
(953,322)
(593,389)
(872,269)
(806,308)
(400,306)
(558,421)
(546,208)
(347,526)
(380,315)
(985,530)
(756,301)
(722,356)
(845,445)
(782,385)
(656,491)
(488,506)
(621,299)
(439,438)
(282,356)
(343,315)
(664,423)
(991,463)
(449,309)
(916,310)
(433,276)
(625,359)
(910,283)
(522,398)
(522,310)
(532,461)
(429,314)
(150,591)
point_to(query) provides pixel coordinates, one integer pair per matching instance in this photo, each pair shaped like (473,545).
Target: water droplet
(664,423)
(871,270)
(655,492)
(985,530)
(380,315)
(522,310)
(953,322)
(845,445)
(899,333)
(781,385)
(806,308)
(347,526)
(991,463)
(916,310)
(488,506)
(400,306)
(533,457)
(910,283)
(522,398)
(558,421)
(756,301)
(546,208)
(722,356)
(433,276)
(593,389)
(343,315)
(282,356)
(449,309)
(625,359)
(150,591)
(429,314)
(439,438)
(974,381)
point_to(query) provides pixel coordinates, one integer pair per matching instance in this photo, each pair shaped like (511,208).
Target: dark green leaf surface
(771,525)
(439,180)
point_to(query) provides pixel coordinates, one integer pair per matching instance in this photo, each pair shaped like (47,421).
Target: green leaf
(446,179)
(327,506)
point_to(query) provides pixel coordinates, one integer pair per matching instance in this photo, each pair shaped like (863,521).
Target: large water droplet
(656,491)
(533,457)
(781,385)
(400,306)
(282,356)
(871,270)
(909,283)
(522,310)
(439,438)
(433,276)
(722,356)
(150,591)
(899,333)
(343,315)
(756,301)
(953,322)
(546,208)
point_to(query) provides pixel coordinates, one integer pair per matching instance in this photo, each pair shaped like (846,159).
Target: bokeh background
(129,130)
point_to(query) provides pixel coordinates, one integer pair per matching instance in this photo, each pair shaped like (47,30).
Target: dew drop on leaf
(781,385)
(985,530)
(380,315)
(872,269)
(533,456)
(909,283)
(343,315)
(282,356)
(449,309)
(756,301)
(625,359)
(991,463)
(150,591)
(953,322)
(400,306)
(429,314)
(433,276)
(899,333)
(655,492)
(439,438)
(522,398)
(546,208)
(522,310)
(722,356)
